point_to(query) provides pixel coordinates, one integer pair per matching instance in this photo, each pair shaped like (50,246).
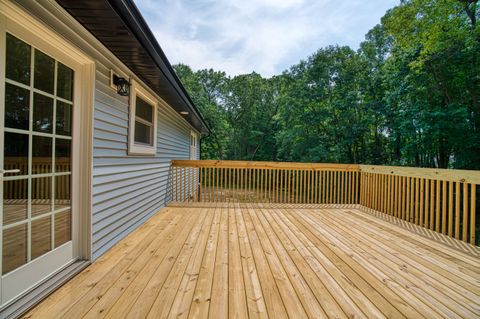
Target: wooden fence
(439,199)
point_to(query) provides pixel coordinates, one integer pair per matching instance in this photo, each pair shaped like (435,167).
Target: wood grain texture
(237,260)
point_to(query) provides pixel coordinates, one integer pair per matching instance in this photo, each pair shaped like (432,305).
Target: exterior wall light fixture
(123,86)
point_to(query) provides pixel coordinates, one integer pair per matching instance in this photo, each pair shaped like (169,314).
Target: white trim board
(22,25)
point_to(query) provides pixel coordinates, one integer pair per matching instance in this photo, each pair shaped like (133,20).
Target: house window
(193,145)
(142,137)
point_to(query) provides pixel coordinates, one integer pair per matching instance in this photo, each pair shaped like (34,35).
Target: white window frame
(193,148)
(137,89)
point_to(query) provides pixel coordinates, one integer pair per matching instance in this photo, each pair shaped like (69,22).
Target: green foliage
(408,96)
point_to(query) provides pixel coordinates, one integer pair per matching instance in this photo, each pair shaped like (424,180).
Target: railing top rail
(265,165)
(454,175)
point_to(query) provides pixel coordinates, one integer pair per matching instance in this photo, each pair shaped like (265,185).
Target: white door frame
(22,25)
(194,147)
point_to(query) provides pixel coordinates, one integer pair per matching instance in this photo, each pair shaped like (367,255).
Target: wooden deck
(274,261)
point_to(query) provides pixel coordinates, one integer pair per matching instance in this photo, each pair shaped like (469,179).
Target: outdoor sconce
(123,86)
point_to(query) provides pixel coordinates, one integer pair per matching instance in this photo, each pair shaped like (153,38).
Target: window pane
(16,107)
(16,152)
(143,133)
(18,60)
(62,192)
(62,155)
(15,200)
(63,228)
(64,119)
(64,82)
(42,113)
(41,195)
(41,155)
(144,110)
(41,236)
(14,252)
(44,72)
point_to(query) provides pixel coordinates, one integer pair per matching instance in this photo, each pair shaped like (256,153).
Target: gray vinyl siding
(126,190)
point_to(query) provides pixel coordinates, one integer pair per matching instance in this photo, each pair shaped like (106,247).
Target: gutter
(129,12)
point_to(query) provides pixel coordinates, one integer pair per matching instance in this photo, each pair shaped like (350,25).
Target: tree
(408,96)
(206,90)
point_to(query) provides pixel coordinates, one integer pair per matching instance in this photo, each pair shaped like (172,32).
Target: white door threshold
(25,302)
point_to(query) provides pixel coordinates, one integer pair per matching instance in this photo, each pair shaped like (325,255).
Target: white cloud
(266,36)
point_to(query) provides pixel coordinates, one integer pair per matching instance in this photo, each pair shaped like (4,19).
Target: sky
(265,36)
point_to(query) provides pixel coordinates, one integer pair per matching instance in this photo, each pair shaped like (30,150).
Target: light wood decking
(274,261)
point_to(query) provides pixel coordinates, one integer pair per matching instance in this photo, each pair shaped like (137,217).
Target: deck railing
(442,200)
(269,182)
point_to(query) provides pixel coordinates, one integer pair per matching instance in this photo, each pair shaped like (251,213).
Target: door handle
(9,171)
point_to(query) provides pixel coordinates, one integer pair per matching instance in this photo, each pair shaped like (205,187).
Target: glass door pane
(37,142)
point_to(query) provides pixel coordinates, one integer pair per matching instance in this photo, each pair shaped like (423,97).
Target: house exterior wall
(126,190)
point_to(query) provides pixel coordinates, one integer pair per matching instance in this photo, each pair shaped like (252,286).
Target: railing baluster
(235,184)
(444,207)
(391,194)
(302,186)
(383,193)
(250,184)
(450,209)
(309,186)
(387,193)
(465,212)
(397,196)
(335,199)
(422,194)
(214,184)
(457,210)
(357,187)
(350,187)
(318,186)
(262,191)
(404,193)
(362,188)
(211,173)
(408,203)
(286,187)
(345,188)
(473,212)
(432,204)
(438,208)
(176,184)
(340,188)
(417,194)
(427,203)
(276,186)
(200,184)
(270,177)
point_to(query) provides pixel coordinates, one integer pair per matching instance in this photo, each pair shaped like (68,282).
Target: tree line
(410,95)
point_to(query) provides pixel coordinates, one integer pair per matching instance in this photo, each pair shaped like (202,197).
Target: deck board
(257,261)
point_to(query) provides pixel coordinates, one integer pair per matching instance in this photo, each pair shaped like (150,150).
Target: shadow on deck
(225,260)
